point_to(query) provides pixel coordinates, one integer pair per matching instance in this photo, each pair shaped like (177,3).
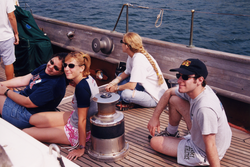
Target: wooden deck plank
(122,163)
(141,154)
(136,134)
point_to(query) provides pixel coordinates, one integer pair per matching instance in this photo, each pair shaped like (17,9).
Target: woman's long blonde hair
(82,59)
(134,42)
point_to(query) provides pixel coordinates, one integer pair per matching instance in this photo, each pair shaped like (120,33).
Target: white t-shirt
(6,6)
(208,117)
(142,72)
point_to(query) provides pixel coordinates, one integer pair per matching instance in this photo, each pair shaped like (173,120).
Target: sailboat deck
(140,152)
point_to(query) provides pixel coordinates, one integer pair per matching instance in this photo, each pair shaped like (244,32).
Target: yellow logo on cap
(186,63)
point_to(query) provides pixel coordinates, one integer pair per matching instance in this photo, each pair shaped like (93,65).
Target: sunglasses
(70,65)
(52,63)
(121,41)
(185,77)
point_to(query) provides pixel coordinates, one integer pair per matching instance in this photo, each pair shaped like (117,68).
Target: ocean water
(222,25)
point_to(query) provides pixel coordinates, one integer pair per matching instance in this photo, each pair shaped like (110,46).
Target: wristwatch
(81,147)
(5,93)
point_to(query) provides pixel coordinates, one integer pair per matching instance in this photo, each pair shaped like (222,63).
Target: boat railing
(26,5)
(161,15)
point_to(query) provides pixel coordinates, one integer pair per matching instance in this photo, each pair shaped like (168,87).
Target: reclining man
(45,88)
(210,135)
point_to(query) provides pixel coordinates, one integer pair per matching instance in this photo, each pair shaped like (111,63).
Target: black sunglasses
(55,67)
(121,41)
(70,65)
(185,77)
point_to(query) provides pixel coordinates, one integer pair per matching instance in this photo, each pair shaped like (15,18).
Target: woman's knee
(32,119)
(126,94)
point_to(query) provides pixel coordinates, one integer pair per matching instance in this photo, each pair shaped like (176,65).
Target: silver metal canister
(107,130)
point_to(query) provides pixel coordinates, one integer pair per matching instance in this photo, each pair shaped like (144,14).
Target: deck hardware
(100,75)
(191,29)
(4,158)
(71,34)
(106,95)
(105,45)
(127,5)
(107,130)
(59,157)
(173,82)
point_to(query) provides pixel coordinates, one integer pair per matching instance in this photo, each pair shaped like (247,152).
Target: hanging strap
(160,15)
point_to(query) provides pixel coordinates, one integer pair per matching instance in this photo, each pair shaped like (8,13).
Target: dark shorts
(15,114)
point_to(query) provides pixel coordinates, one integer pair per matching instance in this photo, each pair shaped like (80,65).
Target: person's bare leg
(165,145)
(9,71)
(50,135)
(49,119)
(49,127)
(179,108)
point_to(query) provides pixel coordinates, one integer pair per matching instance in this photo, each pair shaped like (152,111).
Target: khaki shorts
(7,51)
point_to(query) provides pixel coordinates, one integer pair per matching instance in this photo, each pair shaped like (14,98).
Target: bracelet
(117,88)
(5,93)
(81,147)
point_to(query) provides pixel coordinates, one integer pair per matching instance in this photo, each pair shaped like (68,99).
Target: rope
(160,15)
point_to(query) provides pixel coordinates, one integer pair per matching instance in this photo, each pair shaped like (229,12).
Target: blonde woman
(70,127)
(142,82)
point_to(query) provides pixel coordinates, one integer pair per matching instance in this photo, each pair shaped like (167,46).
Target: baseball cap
(192,66)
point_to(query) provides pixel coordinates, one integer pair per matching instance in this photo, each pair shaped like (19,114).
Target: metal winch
(107,130)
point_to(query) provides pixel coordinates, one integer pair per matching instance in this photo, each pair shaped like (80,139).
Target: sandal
(122,106)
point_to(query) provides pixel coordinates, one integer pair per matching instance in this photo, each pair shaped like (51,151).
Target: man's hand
(154,124)
(2,89)
(16,39)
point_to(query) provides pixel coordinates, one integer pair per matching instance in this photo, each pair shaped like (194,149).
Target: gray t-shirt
(208,117)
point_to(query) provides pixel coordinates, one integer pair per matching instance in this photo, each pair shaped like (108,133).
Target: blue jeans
(15,114)
(137,96)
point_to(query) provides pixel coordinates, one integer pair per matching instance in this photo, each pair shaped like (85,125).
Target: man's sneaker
(165,133)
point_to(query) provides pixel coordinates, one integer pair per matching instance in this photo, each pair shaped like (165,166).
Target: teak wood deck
(140,152)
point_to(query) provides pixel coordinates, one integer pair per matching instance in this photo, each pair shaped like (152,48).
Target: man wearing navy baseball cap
(195,102)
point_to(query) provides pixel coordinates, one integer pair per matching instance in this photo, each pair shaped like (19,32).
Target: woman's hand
(73,155)
(108,87)
(113,88)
